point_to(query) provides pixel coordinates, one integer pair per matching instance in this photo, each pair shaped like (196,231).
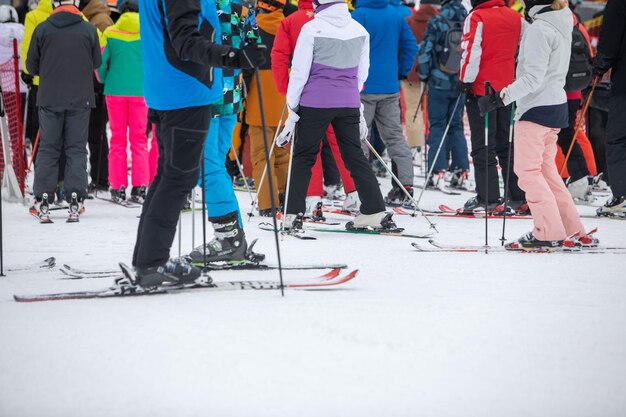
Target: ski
(126,289)
(446,190)
(396,233)
(447,211)
(436,247)
(48,263)
(297,233)
(124,203)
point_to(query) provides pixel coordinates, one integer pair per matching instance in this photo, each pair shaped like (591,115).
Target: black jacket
(612,45)
(64,52)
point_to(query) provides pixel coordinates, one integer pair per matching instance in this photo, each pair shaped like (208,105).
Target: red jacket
(285,43)
(418,22)
(491,34)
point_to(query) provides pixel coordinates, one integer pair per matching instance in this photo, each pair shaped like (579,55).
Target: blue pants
(440,106)
(218,185)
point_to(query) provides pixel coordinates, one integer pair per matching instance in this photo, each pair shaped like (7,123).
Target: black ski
(125,203)
(48,263)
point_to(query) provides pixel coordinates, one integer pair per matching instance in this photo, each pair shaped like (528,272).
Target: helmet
(32,4)
(128,6)
(8,14)
(529,4)
(271,5)
(59,3)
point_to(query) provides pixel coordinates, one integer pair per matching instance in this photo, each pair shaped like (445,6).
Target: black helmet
(529,4)
(128,6)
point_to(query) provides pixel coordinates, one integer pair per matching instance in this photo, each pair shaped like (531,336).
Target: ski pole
(240,167)
(487,90)
(258,186)
(32,155)
(579,123)
(180,233)
(204,212)
(393,176)
(508,173)
(293,145)
(443,139)
(424,88)
(193,217)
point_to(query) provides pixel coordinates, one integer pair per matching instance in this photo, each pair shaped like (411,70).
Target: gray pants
(385,109)
(66,129)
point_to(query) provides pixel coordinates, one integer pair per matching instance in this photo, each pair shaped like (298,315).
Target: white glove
(363,132)
(289,129)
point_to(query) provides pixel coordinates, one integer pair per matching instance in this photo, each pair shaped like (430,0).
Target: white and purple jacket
(330,62)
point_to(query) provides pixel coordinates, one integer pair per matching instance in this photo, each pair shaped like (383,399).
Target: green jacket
(122,69)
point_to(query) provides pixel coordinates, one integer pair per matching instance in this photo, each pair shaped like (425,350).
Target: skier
(439,68)
(10,29)
(179,57)
(122,75)
(282,52)
(541,111)
(329,66)
(236,29)
(611,55)
(65,52)
(391,56)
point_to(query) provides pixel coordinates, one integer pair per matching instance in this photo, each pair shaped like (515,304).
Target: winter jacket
(273,102)
(433,43)
(330,62)
(491,34)
(64,52)
(121,71)
(400,8)
(8,32)
(237,28)
(543,64)
(179,57)
(98,14)
(33,19)
(417,22)
(285,43)
(390,37)
(612,46)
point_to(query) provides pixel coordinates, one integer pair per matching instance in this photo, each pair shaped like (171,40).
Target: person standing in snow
(541,112)
(329,66)
(10,30)
(179,58)
(612,56)
(491,34)
(391,38)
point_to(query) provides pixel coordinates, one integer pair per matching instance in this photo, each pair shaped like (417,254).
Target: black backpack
(450,57)
(580,73)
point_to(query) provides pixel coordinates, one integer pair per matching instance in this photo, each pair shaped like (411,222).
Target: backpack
(450,57)
(580,73)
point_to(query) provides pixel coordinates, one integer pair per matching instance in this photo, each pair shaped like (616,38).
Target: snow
(439,334)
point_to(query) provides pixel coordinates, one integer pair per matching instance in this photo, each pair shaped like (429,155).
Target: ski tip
(50,262)
(332,274)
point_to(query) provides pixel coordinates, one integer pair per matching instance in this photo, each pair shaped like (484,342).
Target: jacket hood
(561,20)
(305,4)
(128,22)
(44,7)
(65,19)
(372,4)
(93,8)
(425,12)
(337,14)
(269,22)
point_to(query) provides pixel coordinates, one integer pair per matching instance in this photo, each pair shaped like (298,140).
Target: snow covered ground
(416,334)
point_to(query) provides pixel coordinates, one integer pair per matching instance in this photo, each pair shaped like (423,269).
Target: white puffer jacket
(8,32)
(543,61)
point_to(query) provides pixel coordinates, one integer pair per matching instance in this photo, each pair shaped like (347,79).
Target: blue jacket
(390,37)
(432,46)
(179,69)
(403,10)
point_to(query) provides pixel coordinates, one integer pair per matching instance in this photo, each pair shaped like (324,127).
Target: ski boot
(519,207)
(380,221)
(75,210)
(437,181)
(580,241)
(352,204)
(334,192)
(311,204)
(187,204)
(474,206)
(398,197)
(418,157)
(460,180)
(265,212)
(529,243)
(138,194)
(615,207)
(243,183)
(579,189)
(379,169)
(177,271)
(317,215)
(118,195)
(59,200)
(293,222)
(42,210)
(598,184)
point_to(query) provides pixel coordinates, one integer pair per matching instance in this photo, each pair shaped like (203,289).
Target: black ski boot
(75,210)
(118,195)
(177,271)
(615,207)
(293,222)
(529,243)
(138,194)
(43,210)
(397,196)
(474,205)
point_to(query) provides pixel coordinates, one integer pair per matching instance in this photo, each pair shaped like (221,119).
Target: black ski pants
(180,136)
(499,125)
(310,130)
(98,144)
(65,130)
(616,143)
(576,164)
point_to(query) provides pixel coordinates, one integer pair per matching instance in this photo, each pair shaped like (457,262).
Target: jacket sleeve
(300,68)
(183,20)
(364,62)
(611,34)
(427,50)
(534,69)
(96,55)
(32,60)
(472,48)
(103,70)
(29,28)
(280,58)
(408,48)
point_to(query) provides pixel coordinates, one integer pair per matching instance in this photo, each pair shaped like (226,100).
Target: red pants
(316,185)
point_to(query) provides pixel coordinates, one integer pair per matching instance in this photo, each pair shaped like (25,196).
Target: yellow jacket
(33,18)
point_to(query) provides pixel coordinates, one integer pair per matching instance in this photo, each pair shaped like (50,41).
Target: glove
(489,103)
(401,77)
(289,129)
(363,131)
(27,78)
(251,56)
(597,71)
(462,88)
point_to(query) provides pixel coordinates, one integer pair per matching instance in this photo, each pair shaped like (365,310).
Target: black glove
(489,103)
(598,69)
(401,77)
(462,88)
(251,56)
(27,78)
